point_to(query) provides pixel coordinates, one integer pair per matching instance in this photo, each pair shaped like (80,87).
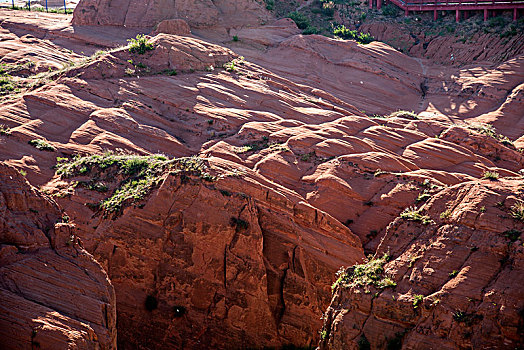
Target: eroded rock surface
(456,277)
(199,13)
(304,177)
(54,294)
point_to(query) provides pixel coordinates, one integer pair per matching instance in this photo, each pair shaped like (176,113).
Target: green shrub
(300,19)
(517,211)
(235,37)
(270,4)
(463,317)
(140,44)
(328,9)
(498,21)
(446,214)
(390,10)
(232,66)
(369,273)
(311,30)
(239,224)
(417,300)
(42,145)
(490,175)
(7,85)
(414,214)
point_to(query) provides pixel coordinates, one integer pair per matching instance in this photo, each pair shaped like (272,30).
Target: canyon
(234,183)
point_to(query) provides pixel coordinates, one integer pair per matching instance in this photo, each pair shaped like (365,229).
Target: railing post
(370,4)
(29,2)
(379,4)
(457,15)
(46,9)
(13,4)
(485,15)
(515,14)
(406,12)
(65,8)
(435,16)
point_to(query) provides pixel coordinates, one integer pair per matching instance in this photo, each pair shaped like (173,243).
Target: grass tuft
(517,211)
(490,175)
(414,214)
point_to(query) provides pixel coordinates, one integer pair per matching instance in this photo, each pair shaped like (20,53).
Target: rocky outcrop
(173,26)
(453,273)
(229,257)
(54,294)
(302,174)
(199,13)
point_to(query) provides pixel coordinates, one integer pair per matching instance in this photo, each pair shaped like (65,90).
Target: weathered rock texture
(466,267)
(199,13)
(54,294)
(300,159)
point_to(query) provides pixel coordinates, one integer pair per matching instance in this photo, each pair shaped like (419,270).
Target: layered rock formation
(54,294)
(200,13)
(456,277)
(301,179)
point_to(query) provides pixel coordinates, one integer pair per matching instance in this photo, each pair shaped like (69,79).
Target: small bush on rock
(140,44)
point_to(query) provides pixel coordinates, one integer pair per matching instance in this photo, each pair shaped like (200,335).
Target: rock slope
(54,294)
(199,13)
(287,174)
(453,278)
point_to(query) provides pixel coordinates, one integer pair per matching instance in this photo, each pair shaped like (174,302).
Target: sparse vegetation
(42,145)
(232,66)
(513,235)
(414,214)
(301,20)
(466,318)
(259,145)
(446,214)
(140,44)
(453,274)
(390,10)
(490,175)
(5,130)
(363,275)
(270,4)
(7,85)
(345,33)
(489,130)
(404,114)
(138,175)
(417,300)
(423,197)
(517,211)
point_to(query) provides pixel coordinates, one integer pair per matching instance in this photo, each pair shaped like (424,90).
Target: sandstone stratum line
(248,174)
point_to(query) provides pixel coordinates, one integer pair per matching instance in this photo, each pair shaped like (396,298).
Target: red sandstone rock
(173,26)
(287,129)
(466,266)
(199,13)
(54,294)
